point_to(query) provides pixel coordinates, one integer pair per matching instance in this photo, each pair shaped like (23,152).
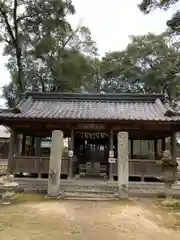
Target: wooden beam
(111,144)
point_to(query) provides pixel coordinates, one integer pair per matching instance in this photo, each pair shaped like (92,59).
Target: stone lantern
(169,170)
(8,189)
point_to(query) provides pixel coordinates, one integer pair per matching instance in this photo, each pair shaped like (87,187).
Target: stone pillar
(55,163)
(123,162)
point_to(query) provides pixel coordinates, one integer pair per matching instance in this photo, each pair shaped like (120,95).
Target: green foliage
(45,53)
(150,63)
(147,6)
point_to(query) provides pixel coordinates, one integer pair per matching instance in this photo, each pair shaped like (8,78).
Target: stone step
(89,196)
(89,191)
(89,188)
(90,199)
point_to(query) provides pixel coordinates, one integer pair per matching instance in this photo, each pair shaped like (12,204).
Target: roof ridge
(23,105)
(160,105)
(95,96)
(167,112)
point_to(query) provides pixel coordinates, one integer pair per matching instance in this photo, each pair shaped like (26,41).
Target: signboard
(111,154)
(91,126)
(71,153)
(112,160)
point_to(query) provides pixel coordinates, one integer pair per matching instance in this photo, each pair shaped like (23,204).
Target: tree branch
(8,26)
(70,37)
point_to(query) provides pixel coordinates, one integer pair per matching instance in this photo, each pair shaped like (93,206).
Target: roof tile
(97,107)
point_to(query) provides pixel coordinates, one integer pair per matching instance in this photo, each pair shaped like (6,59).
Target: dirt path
(80,220)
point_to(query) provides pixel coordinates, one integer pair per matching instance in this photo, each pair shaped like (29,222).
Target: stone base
(8,197)
(58,196)
(77,177)
(121,195)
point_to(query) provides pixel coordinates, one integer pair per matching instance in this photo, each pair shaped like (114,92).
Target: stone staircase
(89,193)
(97,190)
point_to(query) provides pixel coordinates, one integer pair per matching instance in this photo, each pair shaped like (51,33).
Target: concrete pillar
(55,163)
(123,162)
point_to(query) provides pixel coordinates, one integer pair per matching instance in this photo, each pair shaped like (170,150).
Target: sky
(111,23)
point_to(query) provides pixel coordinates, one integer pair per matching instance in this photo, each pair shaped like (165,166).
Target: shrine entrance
(92,152)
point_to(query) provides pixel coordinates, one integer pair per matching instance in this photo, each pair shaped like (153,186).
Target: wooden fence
(29,164)
(40,165)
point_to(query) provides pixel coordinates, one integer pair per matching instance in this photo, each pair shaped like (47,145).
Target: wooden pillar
(163,144)
(18,148)
(132,149)
(32,146)
(111,150)
(37,146)
(11,151)
(155,149)
(23,145)
(71,148)
(173,146)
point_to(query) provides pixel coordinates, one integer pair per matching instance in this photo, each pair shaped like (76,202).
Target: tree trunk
(18,48)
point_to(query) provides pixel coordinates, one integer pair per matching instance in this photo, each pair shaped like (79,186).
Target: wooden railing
(141,168)
(31,164)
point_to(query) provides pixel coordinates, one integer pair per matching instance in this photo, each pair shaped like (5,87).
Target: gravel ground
(70,220)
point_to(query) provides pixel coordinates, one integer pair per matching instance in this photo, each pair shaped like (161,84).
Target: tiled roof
(92,107)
